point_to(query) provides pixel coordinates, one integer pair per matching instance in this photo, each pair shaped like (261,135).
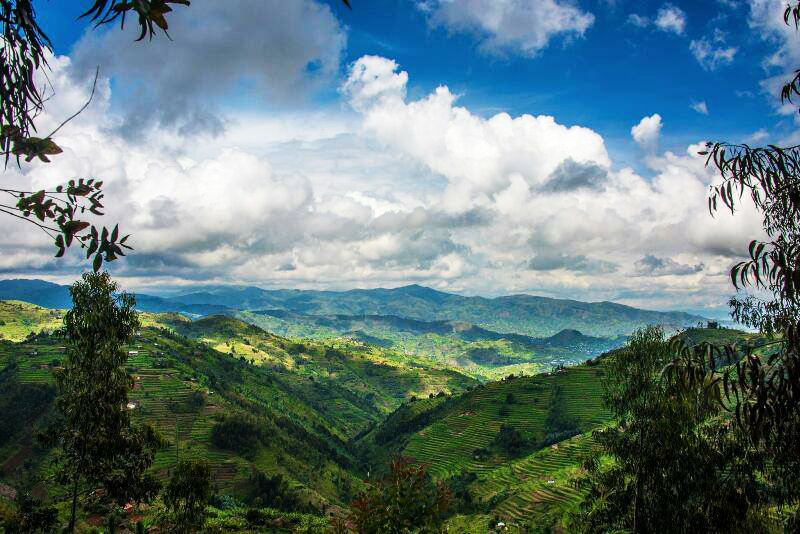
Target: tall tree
(670,464)
(96,444)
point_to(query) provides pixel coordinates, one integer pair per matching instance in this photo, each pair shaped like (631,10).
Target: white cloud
(646,133)
(404,190)
(709,55)
(477,156)
(518,26)
(700,107)
(766,19)
(758,135)
(670,18)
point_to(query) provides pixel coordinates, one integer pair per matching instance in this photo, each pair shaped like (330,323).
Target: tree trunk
(638,486)
(74,502)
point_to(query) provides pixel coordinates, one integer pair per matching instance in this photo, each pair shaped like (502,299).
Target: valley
(323,402)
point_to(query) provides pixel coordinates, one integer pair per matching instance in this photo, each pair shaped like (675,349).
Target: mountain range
(518,314)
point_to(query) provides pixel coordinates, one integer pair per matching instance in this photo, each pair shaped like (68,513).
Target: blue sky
(606,79)
(478,146)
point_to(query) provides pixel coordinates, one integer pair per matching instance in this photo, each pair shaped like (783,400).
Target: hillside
(554,413)
(473,349)
(325,414)
(302,402)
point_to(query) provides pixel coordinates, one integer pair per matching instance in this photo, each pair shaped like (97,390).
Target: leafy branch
(58,213)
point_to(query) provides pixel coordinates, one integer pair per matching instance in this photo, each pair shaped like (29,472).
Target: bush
(272,492)
(407,501)
(237,433)
(510,440)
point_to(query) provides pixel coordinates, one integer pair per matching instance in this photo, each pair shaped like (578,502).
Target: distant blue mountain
(521,314)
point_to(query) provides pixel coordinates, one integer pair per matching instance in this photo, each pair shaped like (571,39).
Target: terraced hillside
(310,399)
(473,422)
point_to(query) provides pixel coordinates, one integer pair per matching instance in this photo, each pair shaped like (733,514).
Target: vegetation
(96,443)
(406,501)
(671,464)
(187,494)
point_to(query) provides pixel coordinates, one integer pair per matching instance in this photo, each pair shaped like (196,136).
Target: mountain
(520,314)
(54,296)
(39,292)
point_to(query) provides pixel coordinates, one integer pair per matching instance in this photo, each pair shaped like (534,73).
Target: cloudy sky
(476,146)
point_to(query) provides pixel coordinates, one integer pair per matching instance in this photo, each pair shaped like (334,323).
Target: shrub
(407,501)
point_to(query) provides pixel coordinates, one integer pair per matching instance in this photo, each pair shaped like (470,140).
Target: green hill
(303,402)
(326,413)
(474,350)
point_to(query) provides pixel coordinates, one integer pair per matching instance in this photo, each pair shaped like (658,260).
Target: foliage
(510,440)
(21,405)
(762,390)
(272,492)
(237,433)
(29,516)
(463,498)
(674,464)
(95,440)
(406,501)
(559,421)
(187,493)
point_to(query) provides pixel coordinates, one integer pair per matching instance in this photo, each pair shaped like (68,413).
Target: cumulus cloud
(517,26)
(549,260)
(274,49)
(647,132)
(700,107)
(670,18)
(402,190)
(478,157)
(571,175)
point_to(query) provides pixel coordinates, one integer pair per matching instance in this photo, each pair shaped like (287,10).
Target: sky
(483,147)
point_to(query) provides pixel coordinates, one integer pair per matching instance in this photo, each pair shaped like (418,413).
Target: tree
(406,501)
(672,464)
(96,443)
(59,212)
(763,389)
(187,493)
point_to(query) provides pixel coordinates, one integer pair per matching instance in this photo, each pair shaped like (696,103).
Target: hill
(325,414)
(299,404)
(473,349)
